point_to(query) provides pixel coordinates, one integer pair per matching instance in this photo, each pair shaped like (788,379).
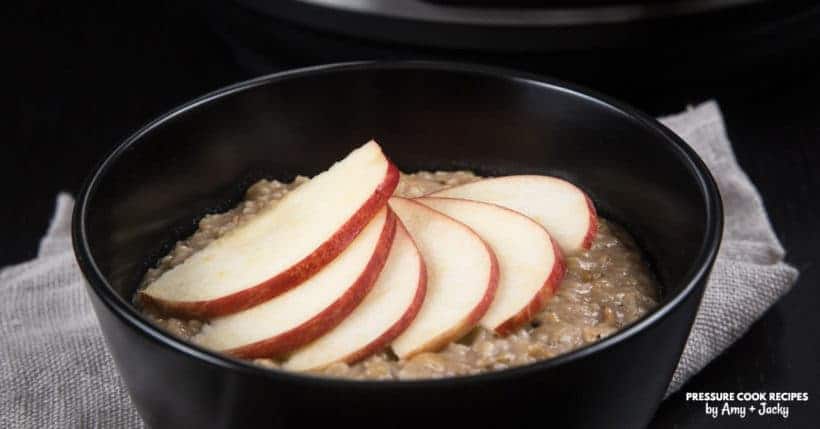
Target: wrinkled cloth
(56,371)
(749,275)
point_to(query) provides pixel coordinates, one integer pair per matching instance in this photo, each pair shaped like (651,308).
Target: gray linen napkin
(55,370)
(749,274)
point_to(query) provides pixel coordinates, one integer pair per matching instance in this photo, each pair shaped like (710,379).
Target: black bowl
(198,158)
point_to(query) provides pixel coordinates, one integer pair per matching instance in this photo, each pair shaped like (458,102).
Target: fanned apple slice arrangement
(340,270)
(279,249)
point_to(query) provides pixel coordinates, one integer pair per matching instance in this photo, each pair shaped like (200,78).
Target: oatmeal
(604,289)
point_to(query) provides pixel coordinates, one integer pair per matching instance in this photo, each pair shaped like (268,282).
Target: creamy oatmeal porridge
(604,289)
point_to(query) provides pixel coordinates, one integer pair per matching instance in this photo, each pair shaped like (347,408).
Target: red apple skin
(331,316)
(407,318)
(593,225)
(586,244)
(541,299)
(288,279)
(472,319)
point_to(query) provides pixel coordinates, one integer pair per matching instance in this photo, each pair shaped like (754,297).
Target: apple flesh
(283,245)
(563,209)
(530,266)
(299,316)
(384,314)
(462,276)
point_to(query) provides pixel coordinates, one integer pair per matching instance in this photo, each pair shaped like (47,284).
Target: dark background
(82,78)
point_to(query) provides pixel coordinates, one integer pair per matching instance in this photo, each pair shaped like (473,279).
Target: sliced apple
(563,209)
(462,276)
(530,266)
(299,316)
(384,314)
(282,246)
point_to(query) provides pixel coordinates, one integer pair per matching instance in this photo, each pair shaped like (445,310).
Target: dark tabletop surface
(82,79)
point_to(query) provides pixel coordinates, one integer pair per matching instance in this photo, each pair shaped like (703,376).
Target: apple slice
(462,276)
(530,266)
(562,208)
(299,316)
(384,314)
(282,246)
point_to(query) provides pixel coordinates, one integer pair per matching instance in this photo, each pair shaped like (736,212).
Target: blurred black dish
(519,25)
(642,51)
(150,190)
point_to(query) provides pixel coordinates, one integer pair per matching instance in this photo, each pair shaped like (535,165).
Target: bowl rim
(129,315)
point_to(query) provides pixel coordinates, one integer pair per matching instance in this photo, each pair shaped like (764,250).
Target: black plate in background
(549,27)
(746,48)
